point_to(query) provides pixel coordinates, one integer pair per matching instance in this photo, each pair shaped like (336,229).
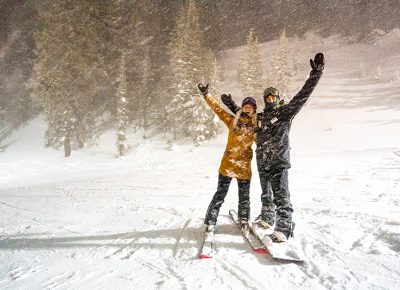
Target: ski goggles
(271,91)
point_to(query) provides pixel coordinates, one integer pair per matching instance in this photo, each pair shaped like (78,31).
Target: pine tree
(250,74)
(118,38)
(123,19)
(67,71)
(146,88)
(122,116)
(186,115)
(281,70)
(17,25)
(216,78)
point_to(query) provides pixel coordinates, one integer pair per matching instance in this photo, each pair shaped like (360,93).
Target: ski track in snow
(175,240)
(163,241)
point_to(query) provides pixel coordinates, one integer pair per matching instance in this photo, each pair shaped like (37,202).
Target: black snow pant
(219,196)
(275,199)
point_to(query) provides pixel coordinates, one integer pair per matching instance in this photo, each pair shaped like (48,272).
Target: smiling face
(270,99)
(249,109)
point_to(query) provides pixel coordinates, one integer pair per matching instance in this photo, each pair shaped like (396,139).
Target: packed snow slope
(94,221)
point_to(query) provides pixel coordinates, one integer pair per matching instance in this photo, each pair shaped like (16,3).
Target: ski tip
(260,250)
(204,257)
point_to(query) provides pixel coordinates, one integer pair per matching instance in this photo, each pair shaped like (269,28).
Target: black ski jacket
(273,127)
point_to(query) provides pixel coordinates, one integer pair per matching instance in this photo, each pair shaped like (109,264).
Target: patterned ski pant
(275,198)
(219,196)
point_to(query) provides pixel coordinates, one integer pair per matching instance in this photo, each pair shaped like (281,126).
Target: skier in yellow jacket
(236,161)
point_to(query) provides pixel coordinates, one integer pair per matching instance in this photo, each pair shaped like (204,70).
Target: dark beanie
(250,101)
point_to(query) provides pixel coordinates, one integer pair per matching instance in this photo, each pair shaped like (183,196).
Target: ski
(252,240)
(286,251)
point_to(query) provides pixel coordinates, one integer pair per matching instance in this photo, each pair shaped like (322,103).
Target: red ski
(252,240)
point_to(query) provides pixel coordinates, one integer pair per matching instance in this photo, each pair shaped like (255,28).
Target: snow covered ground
(93,221)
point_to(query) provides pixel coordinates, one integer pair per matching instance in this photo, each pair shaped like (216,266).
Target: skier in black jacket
(272,153)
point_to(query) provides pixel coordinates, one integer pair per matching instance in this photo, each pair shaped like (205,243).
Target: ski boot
(261,227)
(282,236)
(210,233)
(244,227)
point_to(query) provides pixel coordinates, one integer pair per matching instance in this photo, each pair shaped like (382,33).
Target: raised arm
(215,106)
(227,100)
(298,101)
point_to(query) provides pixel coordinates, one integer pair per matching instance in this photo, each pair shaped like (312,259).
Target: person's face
(249,109)
(271,99)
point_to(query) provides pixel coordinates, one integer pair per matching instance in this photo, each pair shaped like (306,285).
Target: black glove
(318,63)
(203,89)
(227,100)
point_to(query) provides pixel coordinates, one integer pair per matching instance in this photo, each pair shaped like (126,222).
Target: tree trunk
(145,122)
(67,147)
(80,136)
(80,142)
(146,113)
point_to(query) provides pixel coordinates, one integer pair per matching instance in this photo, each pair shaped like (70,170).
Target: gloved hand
(226,99)
(318,63)
(203,89)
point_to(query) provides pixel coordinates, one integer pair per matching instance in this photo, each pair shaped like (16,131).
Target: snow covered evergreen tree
(186,115)
(216,78)
(146,88)
(15,98)
(250,73)
(119,38)
(281,70)
(67,71)
(17,25)
(122,112)
(126,34)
